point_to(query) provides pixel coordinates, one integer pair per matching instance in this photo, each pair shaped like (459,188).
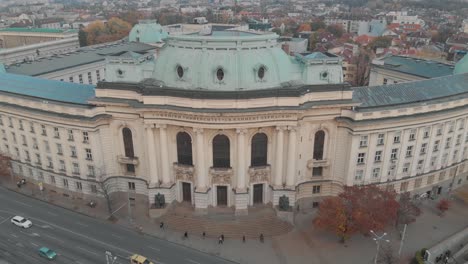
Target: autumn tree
(98,32)
(94,31)
(362,62)
(357,209)
(443,205)
(380,42)
(304,27)
(408,210)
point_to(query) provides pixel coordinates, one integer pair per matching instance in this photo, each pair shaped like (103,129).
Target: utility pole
(377,240)
(402,240)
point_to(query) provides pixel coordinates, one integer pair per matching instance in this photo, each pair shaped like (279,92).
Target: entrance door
(221,194)
(439,190)
(186,192)
(258,193)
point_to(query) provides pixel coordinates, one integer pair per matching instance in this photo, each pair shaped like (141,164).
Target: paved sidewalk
(304,244)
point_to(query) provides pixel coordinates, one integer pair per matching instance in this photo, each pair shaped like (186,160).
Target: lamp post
(377,240)
(109,258)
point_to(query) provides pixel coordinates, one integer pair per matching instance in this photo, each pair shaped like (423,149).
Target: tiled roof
(411,92)
(415,66)
(49,90)
(82,56)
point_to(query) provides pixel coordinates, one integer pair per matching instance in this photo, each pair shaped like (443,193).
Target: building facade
(231,120)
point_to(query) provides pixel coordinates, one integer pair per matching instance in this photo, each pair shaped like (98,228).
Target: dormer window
(180,71)
(220,74)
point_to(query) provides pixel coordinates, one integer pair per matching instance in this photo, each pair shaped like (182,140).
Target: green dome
(147,31)
(461,66)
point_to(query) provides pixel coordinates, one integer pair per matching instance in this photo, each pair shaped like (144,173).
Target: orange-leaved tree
(357,209)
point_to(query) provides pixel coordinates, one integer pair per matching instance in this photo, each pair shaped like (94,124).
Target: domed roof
(461,66)
(224,60)
(147,31)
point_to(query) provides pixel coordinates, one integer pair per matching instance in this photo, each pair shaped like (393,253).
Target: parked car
(139,259)
(47,253)
(21,221)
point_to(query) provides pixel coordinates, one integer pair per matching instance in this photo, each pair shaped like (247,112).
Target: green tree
(336,30)
(380,42)
(314,26)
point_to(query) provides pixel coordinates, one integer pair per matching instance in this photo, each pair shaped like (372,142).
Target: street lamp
(377,240)
(109,258)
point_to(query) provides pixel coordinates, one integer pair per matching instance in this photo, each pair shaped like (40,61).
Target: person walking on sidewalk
(185,235)
(161,225)
(204,234)
(243,238)
(220,240)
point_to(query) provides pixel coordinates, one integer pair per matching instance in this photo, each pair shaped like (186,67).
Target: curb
(120,225)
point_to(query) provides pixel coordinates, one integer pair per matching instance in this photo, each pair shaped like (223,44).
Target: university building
(227,118)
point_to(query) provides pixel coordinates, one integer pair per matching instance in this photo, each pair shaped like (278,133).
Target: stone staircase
(217,221)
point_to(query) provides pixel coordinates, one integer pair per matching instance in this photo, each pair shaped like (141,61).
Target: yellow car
(138,259)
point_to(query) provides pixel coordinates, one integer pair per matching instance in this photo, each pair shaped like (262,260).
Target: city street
(77,238)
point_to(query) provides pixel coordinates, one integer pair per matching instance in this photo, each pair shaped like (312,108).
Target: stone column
(279,157)
(166,179)
(291,166)
(241,171)
(200,164)
(153,169)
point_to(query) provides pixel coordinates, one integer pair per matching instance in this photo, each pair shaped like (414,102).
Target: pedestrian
(261,238)
(220,240)
(203,234)
(161,225)
(18,184)
(243,238)
(185,235)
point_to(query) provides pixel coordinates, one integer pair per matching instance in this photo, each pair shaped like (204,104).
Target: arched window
(128,142)
(221,152)
(319,142)
(184,148)
(259,150)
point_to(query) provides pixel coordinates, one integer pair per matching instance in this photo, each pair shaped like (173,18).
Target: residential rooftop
(47,90)
(83,56)
(38,30)
(441,88)
(414,66)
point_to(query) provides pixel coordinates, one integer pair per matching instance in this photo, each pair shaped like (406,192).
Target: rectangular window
(404,187)
(38,158)
(439,130)
(76,168)
(359,175)
(448,142)
(430,179)
(80,78)
(56,132)
(394,154)
(458,139)
(455,156)
(52,179)
(409,151)
(90,79)
(25,143)
(423,148)
(442,176)
(20,123)
(436,146)
(363,141)
(89,154)
(13,135)
(85,137)
(31,125)
(412,135)
(73,151)
(444,159)
(46,146)
(461,124)
(70,135)
(385,81)
(451,126)
(418,183)
(35,146)
(396,138)
(316,189)
(79,186)
(59,149)
(62,166)
(466,137)
(406,167)
(50,164)
(10,121)
(70,79)
(378,156)
(376,173)
(98,75)
(381,138)
(17,151)
(317,171)
(26,154)
(65,183)
(93,188)
(131,185)
(1,120)
(426,132)
(44,130)
(420,165)
(361,157)
(91,171)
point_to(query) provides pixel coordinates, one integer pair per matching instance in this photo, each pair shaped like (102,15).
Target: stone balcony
(260,174)
(312,163)
(221,175)
(127,160)
(184,172)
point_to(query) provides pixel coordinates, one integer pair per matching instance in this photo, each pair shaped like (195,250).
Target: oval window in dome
(220,74)
(180,71)
(261,72)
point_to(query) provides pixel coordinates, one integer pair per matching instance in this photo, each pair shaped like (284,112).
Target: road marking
(4,221)
(81,224)
(84,249)
(193,261)
(52,213)
(28,205)
(59,240)
(119,237)
(153,248)
(34,244)
(13,235)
